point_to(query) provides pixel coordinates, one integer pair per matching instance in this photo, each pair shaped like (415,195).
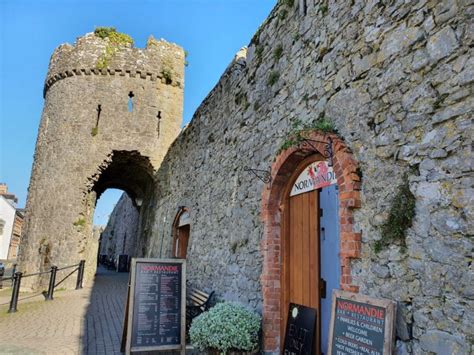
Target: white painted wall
(7,214)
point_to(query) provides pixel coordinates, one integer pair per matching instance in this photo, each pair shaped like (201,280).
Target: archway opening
(116,221)
(181,233)
(118,195)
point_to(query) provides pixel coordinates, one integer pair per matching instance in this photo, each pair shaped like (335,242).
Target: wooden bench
(197,302)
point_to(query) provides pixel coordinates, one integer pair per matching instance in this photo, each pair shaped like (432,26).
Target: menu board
(361,325)
(157,305)
(299,334)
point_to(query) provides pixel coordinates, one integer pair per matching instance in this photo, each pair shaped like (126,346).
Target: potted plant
(226,328)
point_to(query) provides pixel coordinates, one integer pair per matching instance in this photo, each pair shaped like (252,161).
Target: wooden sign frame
(308,318)
(182,346)
(390,317)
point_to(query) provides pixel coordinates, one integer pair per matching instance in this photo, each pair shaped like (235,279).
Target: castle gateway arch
(110,113)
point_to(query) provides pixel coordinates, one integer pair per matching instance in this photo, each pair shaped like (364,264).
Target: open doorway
(116,220)
(181,233)
(311,267)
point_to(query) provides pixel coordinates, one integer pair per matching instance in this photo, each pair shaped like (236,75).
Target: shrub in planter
(226,326)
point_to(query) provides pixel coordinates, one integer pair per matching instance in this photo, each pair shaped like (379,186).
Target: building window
(2,225)
(130,101)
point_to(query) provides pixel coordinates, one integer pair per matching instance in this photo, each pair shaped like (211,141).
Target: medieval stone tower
(111,111)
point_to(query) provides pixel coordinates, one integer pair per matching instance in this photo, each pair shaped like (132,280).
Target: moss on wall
(116,40)
(400,218)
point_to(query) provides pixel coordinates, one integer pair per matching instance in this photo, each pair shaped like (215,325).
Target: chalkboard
(361,325)
(299,336)
(156,313)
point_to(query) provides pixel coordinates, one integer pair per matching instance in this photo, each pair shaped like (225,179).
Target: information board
(361,325)
(299,335)
(157,309)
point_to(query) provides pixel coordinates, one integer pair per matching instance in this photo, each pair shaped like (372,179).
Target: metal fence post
(80,274)
(15,292)
(2,272)
(52,281)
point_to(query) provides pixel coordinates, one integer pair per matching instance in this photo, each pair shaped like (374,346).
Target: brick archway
(350,242)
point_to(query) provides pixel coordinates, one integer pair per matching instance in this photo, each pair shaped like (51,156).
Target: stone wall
(120,234)
(395,79)
(90,139)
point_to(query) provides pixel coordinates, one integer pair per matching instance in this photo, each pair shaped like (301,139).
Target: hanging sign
(157,306)
(299,336)
(315,176)
(361,325)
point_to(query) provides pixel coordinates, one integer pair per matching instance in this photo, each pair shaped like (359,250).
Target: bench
(197,302)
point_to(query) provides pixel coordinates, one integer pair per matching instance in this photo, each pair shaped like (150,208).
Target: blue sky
(212,31)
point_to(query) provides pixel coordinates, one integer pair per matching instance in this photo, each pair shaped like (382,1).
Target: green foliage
(117,38)
(283,13)
(273,78)
(278,52)
(167,75)
(259,54)
(115,41)
(256,36)
(238,244)
(400,218)
(324,9)
(104,32)
(226,326)
(288,3)
(94,131)
(186,63)
(81,222)
(300,131)
(241,98)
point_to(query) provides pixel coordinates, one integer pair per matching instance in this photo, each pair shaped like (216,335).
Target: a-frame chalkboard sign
(156,307)
(361,324)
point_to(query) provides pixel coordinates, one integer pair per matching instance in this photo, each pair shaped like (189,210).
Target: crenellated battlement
(110,113)
(92,55)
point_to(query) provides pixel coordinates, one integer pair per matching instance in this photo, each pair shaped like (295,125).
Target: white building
(7,219)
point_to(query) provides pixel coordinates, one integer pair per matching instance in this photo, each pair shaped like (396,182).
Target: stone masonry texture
(120,234)
(89,141)
(395,78)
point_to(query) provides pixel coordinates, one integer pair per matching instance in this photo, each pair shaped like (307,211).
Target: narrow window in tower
(158,123)
(130,101)
(95,129)
(99,110)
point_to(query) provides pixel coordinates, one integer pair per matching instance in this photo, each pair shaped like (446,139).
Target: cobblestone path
(87,321)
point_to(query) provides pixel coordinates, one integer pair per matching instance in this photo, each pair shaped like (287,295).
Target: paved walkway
(87,321)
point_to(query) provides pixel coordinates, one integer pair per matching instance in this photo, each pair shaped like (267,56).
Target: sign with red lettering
(300,325)
(315,176)
(157,305)
(361,325)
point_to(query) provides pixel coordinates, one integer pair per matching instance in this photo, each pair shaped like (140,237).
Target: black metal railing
(48,295)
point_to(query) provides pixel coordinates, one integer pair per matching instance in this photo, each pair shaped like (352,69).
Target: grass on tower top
(117,38)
